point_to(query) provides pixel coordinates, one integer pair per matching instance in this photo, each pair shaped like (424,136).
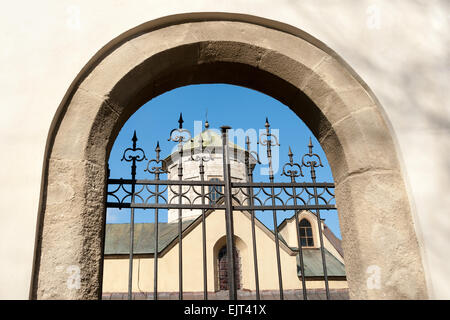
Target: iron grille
(156,194)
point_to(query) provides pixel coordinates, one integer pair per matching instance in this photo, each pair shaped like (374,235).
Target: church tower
(212,151)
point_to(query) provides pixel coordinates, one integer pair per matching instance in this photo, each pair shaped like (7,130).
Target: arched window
(223,268)
(215,192)
(306,236)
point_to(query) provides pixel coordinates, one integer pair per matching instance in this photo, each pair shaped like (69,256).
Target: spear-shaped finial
(247,143)
(310,146)
(290,155)
(292,169)
(201,142)
(267,123)
(157,150)
(180,121)
(134,139)
(206,120)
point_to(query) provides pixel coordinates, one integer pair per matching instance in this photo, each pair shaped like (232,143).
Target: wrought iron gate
(156,194)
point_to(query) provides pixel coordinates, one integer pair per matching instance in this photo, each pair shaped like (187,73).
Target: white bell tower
(213,168)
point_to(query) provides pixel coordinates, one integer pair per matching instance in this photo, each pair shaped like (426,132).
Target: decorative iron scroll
(119,195)
(146,196)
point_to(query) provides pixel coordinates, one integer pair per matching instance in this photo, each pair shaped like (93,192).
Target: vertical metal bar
(277,245)
(319,224)
(300,251)
(180,135)
(180,236)
(130,263)
(274,212)
(312,165)
(205,275)
(228,215)
(156,171)
(294,174)
(201,158)
(252,212)
(155,266)
(133,159)
(201,167)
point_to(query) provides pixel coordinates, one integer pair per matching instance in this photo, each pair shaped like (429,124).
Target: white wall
(400,48)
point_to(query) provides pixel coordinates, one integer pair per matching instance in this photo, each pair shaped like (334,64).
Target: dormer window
(306,235)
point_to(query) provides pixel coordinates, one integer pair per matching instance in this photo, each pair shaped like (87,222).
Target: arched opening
(273,58)
(246,112)
(222,266)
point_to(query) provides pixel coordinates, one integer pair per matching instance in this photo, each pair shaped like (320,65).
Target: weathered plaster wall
(400,49)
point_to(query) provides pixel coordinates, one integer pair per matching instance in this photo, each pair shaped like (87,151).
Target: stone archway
(276,59)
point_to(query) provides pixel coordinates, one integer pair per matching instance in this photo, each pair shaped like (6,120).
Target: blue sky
(235,106)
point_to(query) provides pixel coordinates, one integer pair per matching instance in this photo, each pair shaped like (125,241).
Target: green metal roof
(117,237)
(312,260)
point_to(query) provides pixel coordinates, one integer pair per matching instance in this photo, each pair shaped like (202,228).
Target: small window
(215,192)
(306,236)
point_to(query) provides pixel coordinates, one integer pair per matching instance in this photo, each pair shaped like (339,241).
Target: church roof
(117,237)
(312,261)
(211,139)
(117,242)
